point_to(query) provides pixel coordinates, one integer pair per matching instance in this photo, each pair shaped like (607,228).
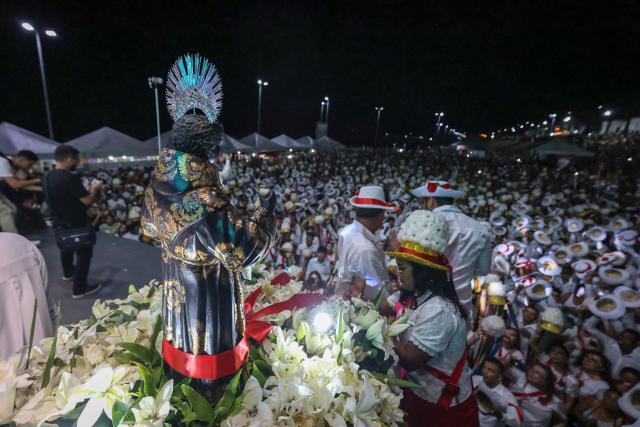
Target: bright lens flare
(322,322)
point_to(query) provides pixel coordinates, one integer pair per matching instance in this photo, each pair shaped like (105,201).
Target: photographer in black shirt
(68,200)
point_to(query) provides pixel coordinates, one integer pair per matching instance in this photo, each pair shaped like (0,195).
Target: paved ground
(116,263)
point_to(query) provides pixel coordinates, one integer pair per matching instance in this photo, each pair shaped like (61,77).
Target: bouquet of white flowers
(327,365)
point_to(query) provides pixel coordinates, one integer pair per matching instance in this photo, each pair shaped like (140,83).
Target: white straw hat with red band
(437,189)
(372,197)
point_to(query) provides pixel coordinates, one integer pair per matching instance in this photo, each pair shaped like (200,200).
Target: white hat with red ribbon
(372,197)
(437,189)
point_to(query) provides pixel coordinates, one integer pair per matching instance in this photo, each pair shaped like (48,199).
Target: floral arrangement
(326,365)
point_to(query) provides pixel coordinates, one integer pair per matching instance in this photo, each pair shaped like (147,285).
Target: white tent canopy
(229,143)
(106,142)
(260,143)
(14,139)
(327,144)
(232,145)
(165,137)
(305,141)
(287,142)
(560,148)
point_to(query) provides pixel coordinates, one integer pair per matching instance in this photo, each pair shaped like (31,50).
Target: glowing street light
(326,118)
(567,119)
(607,113)
(378,112)
(50,33)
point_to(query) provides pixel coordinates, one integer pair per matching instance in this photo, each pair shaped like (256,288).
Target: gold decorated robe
(204,247)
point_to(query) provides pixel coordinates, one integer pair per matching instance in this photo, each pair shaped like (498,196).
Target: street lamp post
(326,121)
(49,33)
(439,116)
(260,84)
(322,111)
(155,83)
(553,120)
(379,111)
(608,115)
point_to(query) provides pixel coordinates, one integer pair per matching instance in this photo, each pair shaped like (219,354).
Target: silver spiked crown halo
(194,82)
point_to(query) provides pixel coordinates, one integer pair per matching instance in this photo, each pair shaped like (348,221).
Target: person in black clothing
(68,200)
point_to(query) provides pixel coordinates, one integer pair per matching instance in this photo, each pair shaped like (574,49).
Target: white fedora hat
(629,402)
(607,307)
(372,197)
(613,276)
(548,266)
(437,189)
(629,297)
(583,267)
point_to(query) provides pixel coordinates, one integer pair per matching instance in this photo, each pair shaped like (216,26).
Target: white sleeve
(373,270)
(226,170)
(5,168)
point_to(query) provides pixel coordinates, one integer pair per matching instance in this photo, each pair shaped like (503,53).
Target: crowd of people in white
(544,325)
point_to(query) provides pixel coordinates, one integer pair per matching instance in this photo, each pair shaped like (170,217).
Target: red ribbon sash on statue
(213,367)
(205,366)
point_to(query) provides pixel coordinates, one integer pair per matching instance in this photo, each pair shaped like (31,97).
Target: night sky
(486,66)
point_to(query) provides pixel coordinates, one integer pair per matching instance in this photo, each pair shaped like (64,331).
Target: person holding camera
(68,200)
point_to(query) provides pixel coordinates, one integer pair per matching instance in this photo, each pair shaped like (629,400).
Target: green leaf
(126,358)
(132,289)
(339,358)
(157,375)
(253,353)
(300,332)
(255,371)
(144,355)
(237,405)
(340,326)
(52,353)
(149,387)
(33,329)
(121,413)
(393,380)
(178,394)
(202,409)
(377,301)
(157,328)
(182,407)
(226,401)
(265,367)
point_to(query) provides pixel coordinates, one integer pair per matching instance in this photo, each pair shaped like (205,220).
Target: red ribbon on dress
(216,366)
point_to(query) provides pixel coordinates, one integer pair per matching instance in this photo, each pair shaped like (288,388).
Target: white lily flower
(105,387)
(100,310)
(153,411)
(398,327)
(367,317)
(255,412)
(8,383)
